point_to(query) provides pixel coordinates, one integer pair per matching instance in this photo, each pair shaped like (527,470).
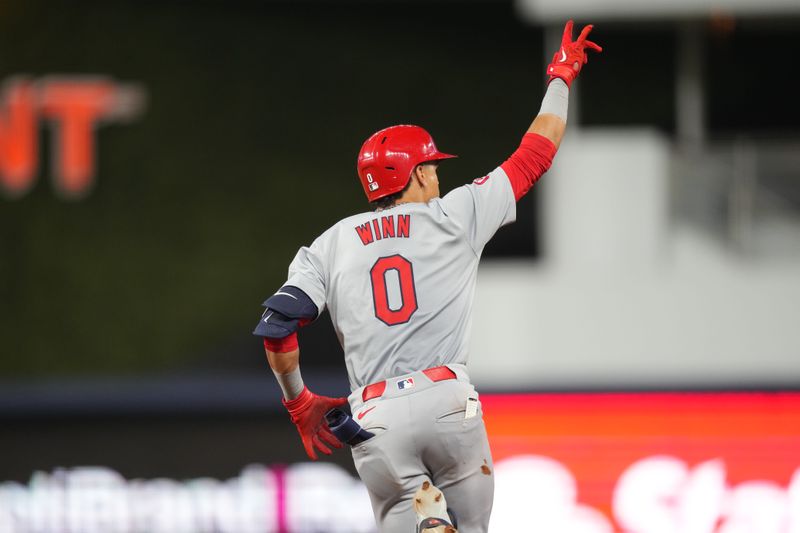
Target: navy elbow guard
(286,311)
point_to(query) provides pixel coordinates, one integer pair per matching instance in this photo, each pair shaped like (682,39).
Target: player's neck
(414,194)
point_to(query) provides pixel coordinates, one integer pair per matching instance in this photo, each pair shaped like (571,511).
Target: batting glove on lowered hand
(307,412)
(571,57)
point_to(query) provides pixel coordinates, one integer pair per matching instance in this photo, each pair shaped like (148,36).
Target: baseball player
(398,281)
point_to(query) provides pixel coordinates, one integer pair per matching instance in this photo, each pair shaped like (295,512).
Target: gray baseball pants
(425,431)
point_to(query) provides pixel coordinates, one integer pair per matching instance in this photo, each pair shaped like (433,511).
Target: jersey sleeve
(482,207)
(307,272)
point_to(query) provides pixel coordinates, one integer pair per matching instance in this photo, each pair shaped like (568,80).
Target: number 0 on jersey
(380,292)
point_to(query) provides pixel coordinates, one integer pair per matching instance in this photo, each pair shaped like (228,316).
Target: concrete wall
(626,297)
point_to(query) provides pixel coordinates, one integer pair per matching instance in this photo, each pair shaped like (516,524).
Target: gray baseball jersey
(399,283)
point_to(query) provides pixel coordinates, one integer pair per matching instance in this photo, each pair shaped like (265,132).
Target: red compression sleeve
(529,162)
(286,344)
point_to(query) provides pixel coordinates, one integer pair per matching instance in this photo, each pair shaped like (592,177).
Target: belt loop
(373,390)
(460,371)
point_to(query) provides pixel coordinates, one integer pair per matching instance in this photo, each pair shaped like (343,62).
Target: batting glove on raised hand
(571,57)
(307,412)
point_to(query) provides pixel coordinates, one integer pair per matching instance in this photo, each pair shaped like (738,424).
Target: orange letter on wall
(18,137)
(76,106)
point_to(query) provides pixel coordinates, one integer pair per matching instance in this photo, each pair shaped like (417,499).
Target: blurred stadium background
(636,335)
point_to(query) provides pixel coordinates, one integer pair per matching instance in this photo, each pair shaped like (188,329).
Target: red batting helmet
(388,157)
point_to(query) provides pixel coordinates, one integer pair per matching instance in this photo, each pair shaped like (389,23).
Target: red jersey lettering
(387,227)
(365,233)
(377,228)
(403,225)
(387,223)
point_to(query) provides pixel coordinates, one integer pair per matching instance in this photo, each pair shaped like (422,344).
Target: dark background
(246,151)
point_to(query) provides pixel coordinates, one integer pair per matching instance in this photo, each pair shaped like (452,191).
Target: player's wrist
(556,99)
(299,404)
(565,73)
(291,383)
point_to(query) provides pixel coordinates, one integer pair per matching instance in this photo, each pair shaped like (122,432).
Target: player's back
(399,283)
(400,292)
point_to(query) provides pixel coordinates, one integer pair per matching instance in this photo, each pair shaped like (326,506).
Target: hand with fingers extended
(307,412)
(571,57)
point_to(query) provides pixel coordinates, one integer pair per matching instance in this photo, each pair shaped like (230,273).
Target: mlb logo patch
(405,384)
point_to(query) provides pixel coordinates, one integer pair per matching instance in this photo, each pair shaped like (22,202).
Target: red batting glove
(307,411)
(571,57)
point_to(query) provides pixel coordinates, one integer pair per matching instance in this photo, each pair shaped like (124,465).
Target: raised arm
(540,143)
